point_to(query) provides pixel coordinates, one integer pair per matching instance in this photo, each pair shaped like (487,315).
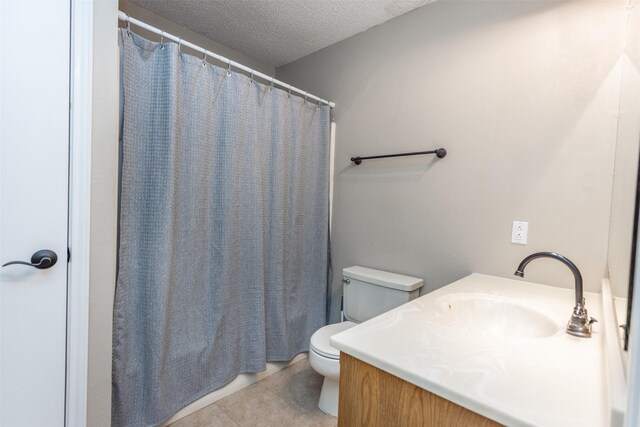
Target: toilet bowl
(367,293)
(325,360)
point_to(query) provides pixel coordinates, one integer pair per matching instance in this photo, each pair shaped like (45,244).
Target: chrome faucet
(579,323)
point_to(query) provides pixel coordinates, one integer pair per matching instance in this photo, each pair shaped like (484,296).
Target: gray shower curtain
(223,231)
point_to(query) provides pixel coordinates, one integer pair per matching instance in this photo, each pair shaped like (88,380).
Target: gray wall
(524,96)
(104,183)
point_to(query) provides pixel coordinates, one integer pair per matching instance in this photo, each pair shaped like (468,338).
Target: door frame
(80,142)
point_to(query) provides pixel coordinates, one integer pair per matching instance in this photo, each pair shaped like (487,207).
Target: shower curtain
(223,229)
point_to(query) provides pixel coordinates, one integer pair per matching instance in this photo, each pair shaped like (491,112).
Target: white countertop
(556,380)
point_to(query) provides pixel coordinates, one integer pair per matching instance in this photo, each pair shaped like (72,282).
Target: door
(34,151)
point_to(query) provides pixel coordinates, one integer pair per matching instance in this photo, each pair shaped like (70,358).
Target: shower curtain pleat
(223,241)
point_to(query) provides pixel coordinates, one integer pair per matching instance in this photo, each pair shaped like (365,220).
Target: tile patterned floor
(287,398)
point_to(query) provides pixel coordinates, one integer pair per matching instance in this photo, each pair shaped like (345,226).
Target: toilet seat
(320,339)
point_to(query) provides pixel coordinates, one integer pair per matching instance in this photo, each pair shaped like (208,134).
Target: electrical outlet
(519,232)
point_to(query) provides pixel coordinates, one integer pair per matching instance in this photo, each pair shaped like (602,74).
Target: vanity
(481,351)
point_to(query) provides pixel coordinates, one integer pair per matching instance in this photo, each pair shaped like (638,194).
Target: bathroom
(536,104)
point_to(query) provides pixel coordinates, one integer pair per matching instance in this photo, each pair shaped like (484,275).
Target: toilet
(367,293)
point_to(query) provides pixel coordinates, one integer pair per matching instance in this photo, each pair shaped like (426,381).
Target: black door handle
(44,258)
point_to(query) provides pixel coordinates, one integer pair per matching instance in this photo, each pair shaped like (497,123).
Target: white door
(34,151)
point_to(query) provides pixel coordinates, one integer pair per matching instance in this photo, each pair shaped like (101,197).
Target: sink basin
(492,316)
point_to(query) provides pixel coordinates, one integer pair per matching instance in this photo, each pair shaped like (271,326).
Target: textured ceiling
(279,31)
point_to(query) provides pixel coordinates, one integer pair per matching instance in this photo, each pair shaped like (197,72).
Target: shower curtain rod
(124,17)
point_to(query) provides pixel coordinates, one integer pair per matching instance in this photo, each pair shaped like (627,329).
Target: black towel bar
(440,152)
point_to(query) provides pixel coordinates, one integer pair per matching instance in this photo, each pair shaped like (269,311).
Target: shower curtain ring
(229,69)
(179,45)
(251,81)
(204,58)
(128,25)
(270,85)
(318,107)
(161,40)
(289,93)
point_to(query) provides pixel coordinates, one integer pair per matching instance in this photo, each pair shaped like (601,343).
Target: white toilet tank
(368,292)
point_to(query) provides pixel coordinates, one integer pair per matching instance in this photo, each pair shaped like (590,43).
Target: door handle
(44,258)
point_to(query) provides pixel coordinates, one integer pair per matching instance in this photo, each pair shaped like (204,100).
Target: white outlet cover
(519,232)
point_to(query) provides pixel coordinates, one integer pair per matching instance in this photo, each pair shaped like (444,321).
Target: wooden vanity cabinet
(371,397)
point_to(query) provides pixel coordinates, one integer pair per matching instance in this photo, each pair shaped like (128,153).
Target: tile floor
(287,398)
